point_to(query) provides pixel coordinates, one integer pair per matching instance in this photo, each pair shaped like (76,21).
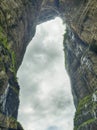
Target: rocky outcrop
(18,20)
(81,66)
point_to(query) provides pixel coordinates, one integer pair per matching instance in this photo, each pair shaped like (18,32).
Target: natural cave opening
(46,99)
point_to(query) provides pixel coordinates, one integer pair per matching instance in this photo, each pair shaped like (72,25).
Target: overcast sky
(46,100)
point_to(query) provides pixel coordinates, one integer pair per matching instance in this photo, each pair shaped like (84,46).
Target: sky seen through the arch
(46,100)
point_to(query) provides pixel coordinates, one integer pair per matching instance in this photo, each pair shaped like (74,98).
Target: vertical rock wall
(81,66)
(17,27)
(80,45)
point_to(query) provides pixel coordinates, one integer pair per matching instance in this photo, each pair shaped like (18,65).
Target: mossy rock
(86,111)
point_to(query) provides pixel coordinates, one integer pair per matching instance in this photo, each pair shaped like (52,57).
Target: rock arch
(18,20)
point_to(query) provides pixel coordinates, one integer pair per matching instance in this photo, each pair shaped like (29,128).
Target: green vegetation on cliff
(7,63)
(86,111)
(8,55)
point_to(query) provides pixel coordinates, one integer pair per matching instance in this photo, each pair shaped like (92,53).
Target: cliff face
(18,20)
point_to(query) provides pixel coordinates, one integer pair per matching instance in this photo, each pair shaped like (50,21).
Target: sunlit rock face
(18,20)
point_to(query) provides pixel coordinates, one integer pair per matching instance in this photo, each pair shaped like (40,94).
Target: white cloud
(46,100)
